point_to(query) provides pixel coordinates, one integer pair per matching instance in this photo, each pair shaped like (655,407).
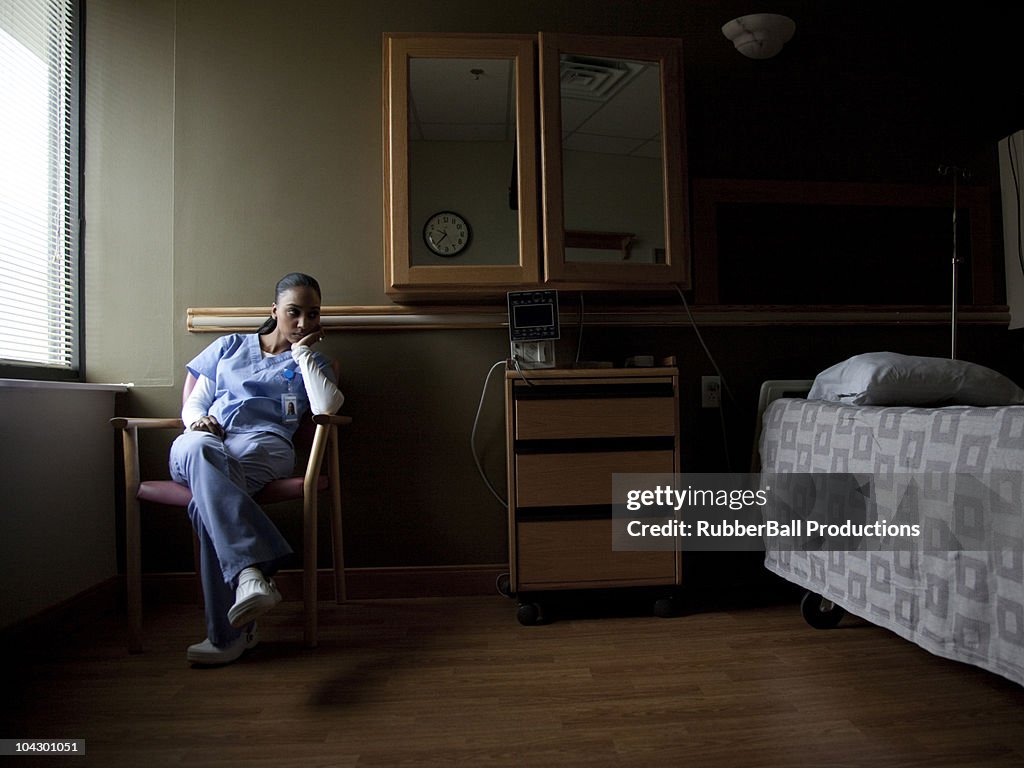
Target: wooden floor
(457,682)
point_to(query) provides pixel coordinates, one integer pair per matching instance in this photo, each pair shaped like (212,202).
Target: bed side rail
(772,390)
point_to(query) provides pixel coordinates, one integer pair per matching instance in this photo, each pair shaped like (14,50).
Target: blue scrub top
(249,386)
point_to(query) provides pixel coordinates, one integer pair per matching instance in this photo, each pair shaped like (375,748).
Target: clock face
(446,233)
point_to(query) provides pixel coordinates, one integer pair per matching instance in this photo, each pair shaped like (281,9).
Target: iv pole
(957,173)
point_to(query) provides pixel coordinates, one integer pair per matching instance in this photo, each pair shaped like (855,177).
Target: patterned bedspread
(964,604)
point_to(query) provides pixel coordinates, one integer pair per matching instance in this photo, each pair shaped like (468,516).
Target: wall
(129,172)
(229,142)
(58,499)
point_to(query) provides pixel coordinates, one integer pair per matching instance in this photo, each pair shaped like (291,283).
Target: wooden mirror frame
(402,278)
(668,53)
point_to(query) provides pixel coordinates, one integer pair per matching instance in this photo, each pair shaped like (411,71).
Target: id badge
(289,408)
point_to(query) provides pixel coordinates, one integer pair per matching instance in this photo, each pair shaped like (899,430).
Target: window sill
(81,386)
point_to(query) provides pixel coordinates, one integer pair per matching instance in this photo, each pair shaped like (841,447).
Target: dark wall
(867,91)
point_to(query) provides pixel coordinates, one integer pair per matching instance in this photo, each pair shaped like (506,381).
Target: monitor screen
(533,315)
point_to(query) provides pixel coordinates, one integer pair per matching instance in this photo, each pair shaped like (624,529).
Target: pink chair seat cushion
(165,492)
(176,495)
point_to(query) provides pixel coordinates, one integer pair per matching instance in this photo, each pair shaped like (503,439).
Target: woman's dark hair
(286,283)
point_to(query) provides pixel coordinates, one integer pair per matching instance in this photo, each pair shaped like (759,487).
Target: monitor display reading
(533,315)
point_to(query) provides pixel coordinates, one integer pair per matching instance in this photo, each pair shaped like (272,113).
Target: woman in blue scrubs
(251,392)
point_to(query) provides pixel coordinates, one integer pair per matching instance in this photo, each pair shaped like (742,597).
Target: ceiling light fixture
(759,35)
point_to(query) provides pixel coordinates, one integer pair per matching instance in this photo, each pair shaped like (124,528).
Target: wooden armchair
(316,434)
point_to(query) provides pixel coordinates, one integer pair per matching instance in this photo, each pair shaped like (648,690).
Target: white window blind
(39,279)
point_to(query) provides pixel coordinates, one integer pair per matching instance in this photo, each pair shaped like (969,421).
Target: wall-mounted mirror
(614,178)
(460,163)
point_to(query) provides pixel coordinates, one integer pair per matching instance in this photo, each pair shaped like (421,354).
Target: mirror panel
(613,147)
(459,139)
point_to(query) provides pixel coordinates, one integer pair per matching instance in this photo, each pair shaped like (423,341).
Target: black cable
(700,338)
(579,330)
(515,362)
(721,378)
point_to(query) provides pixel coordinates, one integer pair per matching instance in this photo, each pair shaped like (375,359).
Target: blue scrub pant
(234,532)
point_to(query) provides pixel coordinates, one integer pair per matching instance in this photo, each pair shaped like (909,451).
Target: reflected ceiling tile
(609,145)
(463,131)
(649,149)
(634,111)
(575,112)
(461,90)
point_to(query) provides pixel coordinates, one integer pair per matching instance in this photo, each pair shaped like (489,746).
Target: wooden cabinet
(459,127)
(568,432)
(461,123)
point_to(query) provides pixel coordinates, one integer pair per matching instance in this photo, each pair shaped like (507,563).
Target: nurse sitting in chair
(251,392)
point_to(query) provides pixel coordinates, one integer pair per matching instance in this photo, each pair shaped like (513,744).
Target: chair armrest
(330,418)
(123,422)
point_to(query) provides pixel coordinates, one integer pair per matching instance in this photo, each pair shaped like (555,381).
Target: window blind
(39,179)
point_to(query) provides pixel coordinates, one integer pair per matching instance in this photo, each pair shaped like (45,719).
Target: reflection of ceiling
(613,108)
(461,99)
(626,122)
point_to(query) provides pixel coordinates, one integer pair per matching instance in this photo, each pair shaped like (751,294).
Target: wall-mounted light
(759,35)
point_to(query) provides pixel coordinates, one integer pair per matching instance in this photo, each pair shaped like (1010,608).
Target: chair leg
(197,562)
(309,595)
(133,574)
(132,538)
(337,542)
(338,547)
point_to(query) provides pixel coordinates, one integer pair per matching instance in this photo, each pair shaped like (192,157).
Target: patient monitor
(533,327)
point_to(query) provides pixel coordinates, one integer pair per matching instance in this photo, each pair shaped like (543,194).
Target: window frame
(75,172)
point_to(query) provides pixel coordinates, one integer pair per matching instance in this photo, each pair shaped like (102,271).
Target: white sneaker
(254,596)
(208,653)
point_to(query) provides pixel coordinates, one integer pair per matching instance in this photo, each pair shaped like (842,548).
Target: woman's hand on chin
(310,339)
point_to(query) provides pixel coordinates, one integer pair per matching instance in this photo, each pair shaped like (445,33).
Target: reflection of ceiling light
(759,35)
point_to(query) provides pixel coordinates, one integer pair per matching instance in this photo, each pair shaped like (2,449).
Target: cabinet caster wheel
(665,607)
(529,614)
(504,585)
(820,612)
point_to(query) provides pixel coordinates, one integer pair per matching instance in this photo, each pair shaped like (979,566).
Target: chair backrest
(303,439)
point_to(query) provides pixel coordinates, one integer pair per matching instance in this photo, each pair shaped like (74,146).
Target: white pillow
(887,378)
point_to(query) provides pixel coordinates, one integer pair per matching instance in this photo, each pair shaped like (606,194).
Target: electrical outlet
(710,392)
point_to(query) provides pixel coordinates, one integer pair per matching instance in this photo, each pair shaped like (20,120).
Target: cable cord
(700,338)
(721,378)
(522,376)
(472,437)
(579,330)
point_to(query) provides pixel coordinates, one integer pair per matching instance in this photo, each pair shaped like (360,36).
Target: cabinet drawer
(595,417)
(578,553)
(572,479)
